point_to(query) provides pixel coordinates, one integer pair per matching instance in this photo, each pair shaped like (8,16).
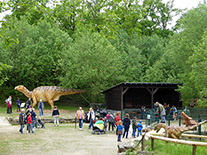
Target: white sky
(183,4)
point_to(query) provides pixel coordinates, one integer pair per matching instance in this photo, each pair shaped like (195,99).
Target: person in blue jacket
(126,124)
(33,115)
(139,128)
(119,130)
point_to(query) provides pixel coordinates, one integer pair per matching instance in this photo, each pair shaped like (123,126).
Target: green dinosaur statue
(46,93)
(175,131)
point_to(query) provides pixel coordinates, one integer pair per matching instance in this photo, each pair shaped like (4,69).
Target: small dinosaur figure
(188,121)
(175,131)
(46,93)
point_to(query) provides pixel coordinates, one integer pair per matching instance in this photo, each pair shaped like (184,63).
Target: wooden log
(177,141)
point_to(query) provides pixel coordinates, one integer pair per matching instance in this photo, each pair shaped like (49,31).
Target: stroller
(39,123)
(99,127)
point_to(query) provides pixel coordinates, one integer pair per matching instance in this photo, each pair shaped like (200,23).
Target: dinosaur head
(19,88)
(23,89)
(158,127)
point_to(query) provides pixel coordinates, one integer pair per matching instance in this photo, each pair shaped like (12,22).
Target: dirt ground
(65,139)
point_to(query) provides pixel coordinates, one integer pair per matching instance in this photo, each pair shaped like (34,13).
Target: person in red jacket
(29,121)
(117,119)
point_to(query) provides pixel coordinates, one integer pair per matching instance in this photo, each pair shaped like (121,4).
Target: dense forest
(93,45)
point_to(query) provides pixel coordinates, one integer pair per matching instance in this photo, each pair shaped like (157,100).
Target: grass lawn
(163,148)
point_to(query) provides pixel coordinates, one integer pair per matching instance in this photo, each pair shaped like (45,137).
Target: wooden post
(152,143)
(143,141)
(194,150)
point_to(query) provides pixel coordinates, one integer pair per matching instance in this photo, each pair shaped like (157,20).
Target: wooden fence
(177,141)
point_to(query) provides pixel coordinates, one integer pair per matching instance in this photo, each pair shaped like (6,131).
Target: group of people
(27,118)
(28,105)
(165,110)
(113,122)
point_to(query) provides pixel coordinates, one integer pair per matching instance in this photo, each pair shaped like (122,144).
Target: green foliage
(4,68)
(33,10)
(91,62)
(198,73)
(34,59)
(156,16)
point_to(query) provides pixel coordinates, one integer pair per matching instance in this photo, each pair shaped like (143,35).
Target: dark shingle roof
(143,84)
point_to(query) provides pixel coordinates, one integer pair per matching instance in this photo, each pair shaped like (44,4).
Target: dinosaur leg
(173,136)
(34,102)
(51,103)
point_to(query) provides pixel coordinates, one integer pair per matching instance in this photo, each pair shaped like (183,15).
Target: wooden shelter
(133,95)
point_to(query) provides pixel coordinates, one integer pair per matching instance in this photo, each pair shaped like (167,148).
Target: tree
(90,63)
(174,65)
(33,10)
(156,16)
(35,58)
(3,68)
(198,74)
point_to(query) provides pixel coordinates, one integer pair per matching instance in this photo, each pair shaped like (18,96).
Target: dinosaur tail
(69,91)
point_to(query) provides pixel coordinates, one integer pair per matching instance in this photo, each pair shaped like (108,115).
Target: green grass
(163,148)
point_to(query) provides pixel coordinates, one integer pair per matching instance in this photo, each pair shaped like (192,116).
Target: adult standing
(126,123)
(134,127)
(41,107)
(117,119)
(33,115)
(21,120)
(29,103)
(91,117)
(186,111)
(80,117)
(161,111)
(18,105)
(143,112)
(111,121)
(9,105)
(29,122)
(167,110)
(56,115)
(174,112)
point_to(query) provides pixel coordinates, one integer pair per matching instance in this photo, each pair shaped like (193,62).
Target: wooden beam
(183,135)
(177,141)
(152,92)
(125,90)
(122,98)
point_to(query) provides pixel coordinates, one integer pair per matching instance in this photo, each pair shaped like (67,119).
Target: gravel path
(63,140)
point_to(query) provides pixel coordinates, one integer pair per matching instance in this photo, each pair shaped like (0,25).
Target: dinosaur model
(175,131)
(46,93)
(188,121)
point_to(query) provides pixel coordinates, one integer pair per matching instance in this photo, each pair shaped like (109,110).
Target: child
(95,120)
(134,127)
(105,122)
(41,123)
(29,121)
(139,127)
(119,132)
(56,115)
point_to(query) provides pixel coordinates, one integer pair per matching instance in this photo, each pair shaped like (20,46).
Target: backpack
(111,119)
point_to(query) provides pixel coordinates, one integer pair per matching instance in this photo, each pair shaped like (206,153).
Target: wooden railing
(177,141)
